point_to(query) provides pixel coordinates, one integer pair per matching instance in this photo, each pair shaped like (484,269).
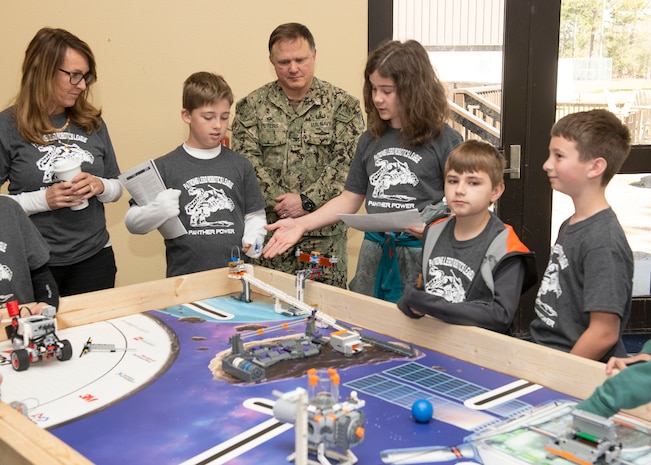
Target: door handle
(514,161)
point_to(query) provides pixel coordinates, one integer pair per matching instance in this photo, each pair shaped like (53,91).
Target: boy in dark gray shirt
(584,300)
(473,268)
(24,254)
(213,190)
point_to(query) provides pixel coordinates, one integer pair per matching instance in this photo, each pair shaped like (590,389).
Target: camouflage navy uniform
(306,150)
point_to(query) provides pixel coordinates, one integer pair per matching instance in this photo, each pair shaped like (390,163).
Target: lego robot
(34,339)
(325,427)
(590,439)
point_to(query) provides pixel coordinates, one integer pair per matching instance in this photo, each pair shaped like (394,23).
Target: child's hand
(621,363)
(37,309)
(252,251)
(168,202)
(287,233)
(416,312)
(410,312)
(416,231)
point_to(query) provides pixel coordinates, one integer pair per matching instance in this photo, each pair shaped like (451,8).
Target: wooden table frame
(22,442)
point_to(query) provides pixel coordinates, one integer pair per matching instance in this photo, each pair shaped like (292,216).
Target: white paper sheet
(144,183)
(383,222)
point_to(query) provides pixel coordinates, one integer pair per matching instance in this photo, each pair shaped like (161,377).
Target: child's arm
(412,288)
(600,336)
(289,231)
(45,288)
(496,315)
(416,231)
(628,389)
(622,362)
(254,233)
(146,218)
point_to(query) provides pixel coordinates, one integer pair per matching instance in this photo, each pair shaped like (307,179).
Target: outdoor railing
(476,113)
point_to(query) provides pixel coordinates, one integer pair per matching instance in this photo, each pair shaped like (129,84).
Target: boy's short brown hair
(597,134)
(203,88)
(474,156)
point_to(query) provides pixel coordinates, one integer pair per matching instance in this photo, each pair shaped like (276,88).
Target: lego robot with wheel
(34,339)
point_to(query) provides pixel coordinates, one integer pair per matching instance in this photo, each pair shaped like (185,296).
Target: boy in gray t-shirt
(212,189)
(24,255)
(473,267)
(584,300)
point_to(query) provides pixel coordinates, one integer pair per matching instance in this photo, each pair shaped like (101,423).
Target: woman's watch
(308,205)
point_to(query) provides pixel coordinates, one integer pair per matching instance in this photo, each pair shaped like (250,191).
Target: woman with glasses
(52,122)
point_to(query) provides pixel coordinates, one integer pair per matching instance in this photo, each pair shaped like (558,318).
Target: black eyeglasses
(75,78)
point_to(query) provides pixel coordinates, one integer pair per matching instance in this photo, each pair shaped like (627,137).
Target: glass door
(605,62)
(501,60)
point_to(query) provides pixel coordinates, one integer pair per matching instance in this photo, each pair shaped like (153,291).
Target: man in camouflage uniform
(300,134)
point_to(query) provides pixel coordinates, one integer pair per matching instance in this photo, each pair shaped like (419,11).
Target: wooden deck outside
(476,112)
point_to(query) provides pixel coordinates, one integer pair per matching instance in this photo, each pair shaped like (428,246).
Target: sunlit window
(605,62)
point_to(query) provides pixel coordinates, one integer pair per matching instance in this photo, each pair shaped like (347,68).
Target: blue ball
(422,411)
